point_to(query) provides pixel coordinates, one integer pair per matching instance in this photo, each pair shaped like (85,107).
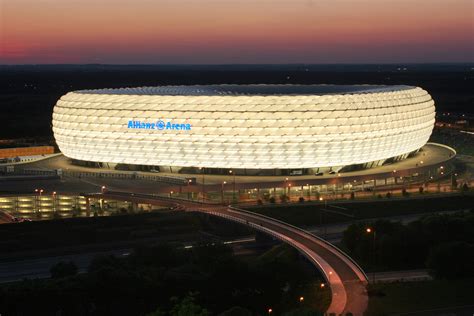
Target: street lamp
(188,184)
(54,202)
(270,311)
(103,189)
(321,215)
(202,184)
(301,299)
(322,285)
(233,190)
(38,198)
(369,231)
(222,191)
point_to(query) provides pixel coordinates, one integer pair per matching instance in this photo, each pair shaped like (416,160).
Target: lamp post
(369,231)
(202,183)
(233,190)
(103,189)
(289,192)
(222,191)
(188,184)
(321,215)
(38,196)
(394,180)
(54,202)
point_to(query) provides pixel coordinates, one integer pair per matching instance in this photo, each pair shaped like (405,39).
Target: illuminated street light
(202,184)
(370,230)
(188,184)
(38,198)
(233,189)
(322,285)
(270,311)
(222,191)
(301,298)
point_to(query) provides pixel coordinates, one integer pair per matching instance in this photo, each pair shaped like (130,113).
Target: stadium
(256,129)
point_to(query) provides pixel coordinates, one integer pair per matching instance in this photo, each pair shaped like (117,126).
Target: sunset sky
(235,31)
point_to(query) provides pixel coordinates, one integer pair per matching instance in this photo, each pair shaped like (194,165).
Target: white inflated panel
(244,131)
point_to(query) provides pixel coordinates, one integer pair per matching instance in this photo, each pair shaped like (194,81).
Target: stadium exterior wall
(223,127)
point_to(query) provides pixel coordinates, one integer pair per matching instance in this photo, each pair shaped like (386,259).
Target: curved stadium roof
(246,126)
(210,90)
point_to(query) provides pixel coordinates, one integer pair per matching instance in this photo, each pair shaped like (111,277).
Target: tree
(451,260)
(187,306)
(465,187)
(236,311)
(157,312)
(454,182)
(63,269)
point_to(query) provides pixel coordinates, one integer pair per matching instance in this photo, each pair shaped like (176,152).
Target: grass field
(312,214)
(394,298)
(112,231)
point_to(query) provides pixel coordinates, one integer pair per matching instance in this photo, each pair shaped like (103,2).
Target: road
(346,279)
(17,270)
(403,276)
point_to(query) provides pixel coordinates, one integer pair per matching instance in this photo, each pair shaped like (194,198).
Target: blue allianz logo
(159,125)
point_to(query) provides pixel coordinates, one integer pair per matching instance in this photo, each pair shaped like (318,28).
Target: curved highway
(345,278)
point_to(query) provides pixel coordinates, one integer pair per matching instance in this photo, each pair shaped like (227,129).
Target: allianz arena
(253,127)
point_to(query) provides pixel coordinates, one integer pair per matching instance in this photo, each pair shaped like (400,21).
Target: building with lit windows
(300,129)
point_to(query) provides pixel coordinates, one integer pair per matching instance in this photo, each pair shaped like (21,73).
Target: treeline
(168,280)
(444,244)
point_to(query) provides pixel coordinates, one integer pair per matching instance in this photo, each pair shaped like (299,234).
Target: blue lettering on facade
(159,125)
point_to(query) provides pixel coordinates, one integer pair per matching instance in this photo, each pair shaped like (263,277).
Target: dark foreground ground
(159,274)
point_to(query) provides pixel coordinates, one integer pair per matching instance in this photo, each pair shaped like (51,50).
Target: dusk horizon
(237,32)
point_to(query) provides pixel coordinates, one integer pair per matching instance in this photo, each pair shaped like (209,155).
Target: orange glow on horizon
(243,31)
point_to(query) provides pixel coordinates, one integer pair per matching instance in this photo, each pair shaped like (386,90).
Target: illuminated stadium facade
(312,128)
